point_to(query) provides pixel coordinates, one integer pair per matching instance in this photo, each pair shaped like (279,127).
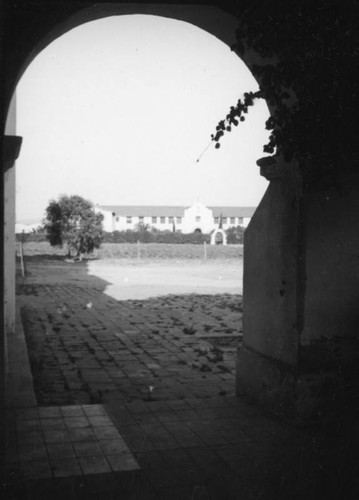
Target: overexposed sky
(118,111)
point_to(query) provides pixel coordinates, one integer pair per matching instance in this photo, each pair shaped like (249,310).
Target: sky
(118,111)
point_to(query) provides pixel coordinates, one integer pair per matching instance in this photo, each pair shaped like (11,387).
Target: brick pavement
(85,347)
(192,438)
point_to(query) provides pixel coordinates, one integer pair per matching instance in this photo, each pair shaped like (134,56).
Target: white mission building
(197,217)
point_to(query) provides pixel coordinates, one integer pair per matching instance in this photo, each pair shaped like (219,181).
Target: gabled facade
(197,217)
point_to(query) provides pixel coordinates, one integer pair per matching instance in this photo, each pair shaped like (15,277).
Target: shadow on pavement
(159,368)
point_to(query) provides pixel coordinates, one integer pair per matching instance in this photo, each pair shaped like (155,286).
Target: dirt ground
(147,279)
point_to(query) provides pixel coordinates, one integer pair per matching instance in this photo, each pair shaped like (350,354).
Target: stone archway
(214,20)
(292,311)
(215,234)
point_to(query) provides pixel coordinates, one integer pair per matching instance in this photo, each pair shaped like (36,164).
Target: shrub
(235,235)
(155,236)
(31,237)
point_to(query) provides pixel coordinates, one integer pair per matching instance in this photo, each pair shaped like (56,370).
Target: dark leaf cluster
(310,59)
(235,115)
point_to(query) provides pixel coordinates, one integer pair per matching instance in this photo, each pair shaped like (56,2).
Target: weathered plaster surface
(332,267)
(270,276)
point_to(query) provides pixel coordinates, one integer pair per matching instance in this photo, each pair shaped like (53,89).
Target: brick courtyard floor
(135,400)
(88,348)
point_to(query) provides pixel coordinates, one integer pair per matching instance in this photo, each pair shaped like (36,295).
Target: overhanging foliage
(310,53)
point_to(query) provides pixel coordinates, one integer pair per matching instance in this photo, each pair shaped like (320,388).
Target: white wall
(189,221)
(204,215)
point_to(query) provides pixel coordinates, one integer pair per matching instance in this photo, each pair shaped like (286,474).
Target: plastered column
(9,229)
(11,149)
(300,354)
(267,362)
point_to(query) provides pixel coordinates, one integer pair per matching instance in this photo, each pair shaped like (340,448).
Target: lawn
(157,251)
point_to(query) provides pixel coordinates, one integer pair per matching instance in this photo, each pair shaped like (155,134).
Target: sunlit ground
(146,280)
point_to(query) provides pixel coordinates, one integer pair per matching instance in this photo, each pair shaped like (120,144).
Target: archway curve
(218,232)
(229,71)
(213,20)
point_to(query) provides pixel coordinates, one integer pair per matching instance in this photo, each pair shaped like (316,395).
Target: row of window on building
(155,220)
(178,220)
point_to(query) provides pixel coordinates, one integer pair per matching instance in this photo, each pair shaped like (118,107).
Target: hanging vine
(309,79)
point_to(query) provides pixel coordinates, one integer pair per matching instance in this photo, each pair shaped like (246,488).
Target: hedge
(142,251)
(234,236)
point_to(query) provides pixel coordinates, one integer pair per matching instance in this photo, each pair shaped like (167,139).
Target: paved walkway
(136,400)
(85,347)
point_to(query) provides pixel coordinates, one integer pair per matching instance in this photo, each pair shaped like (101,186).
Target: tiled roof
(144,211)
(173,211)
(233,211)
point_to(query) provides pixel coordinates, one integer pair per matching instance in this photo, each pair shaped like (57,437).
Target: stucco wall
(270,276)
(9,230)
(332,288)
(205,220)
(267,361)
(301,296)
(187,224)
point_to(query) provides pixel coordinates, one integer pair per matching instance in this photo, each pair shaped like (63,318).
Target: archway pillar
(11,150)
(12,145)
(300,296)
(267,360)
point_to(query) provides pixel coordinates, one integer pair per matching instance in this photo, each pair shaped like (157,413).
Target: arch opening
(94,174)
(218,237)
